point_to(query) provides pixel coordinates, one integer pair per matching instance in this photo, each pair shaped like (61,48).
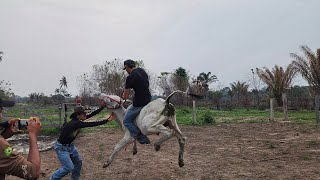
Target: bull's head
(110,101)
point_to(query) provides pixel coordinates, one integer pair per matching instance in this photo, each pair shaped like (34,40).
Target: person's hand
(13,126)
(34,126)
(102,103)
(11,130)
(112,117)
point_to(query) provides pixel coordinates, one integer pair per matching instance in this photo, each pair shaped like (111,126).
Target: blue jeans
(70,160)
(128,121)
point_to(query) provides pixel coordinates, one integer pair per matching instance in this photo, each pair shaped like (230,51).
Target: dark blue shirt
(138,80)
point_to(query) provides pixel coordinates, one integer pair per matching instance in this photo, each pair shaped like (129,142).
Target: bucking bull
(156,117)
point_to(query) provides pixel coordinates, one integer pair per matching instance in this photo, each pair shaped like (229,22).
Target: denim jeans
(70,160)
(128,121)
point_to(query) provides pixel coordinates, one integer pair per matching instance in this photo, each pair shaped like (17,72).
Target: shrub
(207,117)
(185,110)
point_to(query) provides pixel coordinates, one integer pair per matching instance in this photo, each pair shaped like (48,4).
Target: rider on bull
(137,80)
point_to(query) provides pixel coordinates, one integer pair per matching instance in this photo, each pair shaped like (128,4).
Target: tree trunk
(194,111)
(271,109)
(285,106)
(317,105)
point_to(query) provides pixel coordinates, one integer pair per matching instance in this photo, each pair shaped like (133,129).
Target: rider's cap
(129,63)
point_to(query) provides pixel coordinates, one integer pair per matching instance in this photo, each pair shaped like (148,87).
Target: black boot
(142,139)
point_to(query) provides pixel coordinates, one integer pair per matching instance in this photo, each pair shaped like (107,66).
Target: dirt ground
(227,151)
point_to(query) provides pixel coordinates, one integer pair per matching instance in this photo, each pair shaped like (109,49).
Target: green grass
(51,119)
(49,131)
(184,116)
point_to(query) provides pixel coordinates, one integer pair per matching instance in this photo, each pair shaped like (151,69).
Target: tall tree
(87,89)
(216,97)
(171,81)
(256,84)
(309,67)
(1,55)
(5,89)
(180,81)
(207,77)
(240,89)
(278,81)
(109,76)
(63,82)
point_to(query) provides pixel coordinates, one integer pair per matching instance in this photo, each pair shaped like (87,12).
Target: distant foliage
(278,80)
(5,89)
(109,76)
(308,66)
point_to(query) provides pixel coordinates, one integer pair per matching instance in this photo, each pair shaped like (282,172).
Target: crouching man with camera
(12,163)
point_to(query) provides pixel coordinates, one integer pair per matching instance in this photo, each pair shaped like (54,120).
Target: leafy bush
(184,110)
(207,117)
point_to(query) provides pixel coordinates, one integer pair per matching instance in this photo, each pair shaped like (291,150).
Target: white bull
(156,117)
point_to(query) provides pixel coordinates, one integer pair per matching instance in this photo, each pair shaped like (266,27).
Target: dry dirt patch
(227,151)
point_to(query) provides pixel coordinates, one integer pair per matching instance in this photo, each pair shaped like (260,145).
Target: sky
(43,40)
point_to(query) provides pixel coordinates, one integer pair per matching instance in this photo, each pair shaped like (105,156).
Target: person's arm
(95,112)
(125,94)
(128,86)
(34,127)
(82,124)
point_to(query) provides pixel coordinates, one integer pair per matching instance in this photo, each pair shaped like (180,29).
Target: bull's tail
(169,108)
(170,95)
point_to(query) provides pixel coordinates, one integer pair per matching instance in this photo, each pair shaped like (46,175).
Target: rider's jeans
(132,113)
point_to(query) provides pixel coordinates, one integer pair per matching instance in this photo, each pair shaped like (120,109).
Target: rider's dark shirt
(138,80)
(71,129)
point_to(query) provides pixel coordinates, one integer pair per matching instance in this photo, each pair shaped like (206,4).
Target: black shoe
(142,139)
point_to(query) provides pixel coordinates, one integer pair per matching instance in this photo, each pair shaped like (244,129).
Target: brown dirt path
(227,151)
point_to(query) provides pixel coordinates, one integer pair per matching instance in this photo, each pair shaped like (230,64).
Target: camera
(22,124)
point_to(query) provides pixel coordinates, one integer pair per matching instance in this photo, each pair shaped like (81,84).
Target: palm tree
(63,82)
(240,89)
(309,67)
(278,81)
(207,78)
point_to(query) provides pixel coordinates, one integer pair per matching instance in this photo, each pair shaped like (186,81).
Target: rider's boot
(143,139)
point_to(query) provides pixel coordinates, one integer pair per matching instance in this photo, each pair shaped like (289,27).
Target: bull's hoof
(105,165)
(157,147)
(181,163)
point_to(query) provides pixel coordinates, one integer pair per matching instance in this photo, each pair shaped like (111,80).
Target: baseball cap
(129,63)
